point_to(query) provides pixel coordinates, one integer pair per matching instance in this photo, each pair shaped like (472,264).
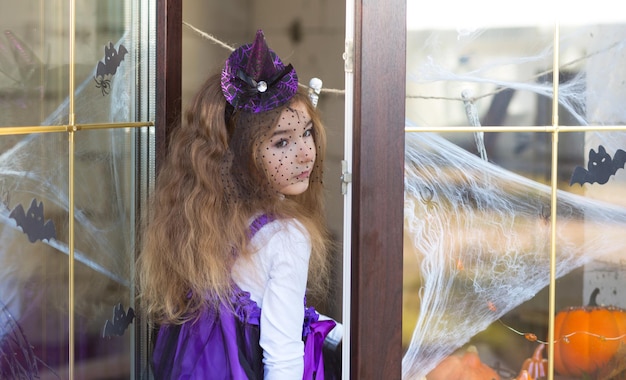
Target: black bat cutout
(32,222)
(120,322)
(105,70)
(600,167)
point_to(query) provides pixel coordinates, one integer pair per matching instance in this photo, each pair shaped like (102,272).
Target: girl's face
(289,154)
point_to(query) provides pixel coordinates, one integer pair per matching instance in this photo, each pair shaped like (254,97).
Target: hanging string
(230,48)
(533,78)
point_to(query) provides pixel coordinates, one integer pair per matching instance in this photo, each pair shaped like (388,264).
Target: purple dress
(222,344)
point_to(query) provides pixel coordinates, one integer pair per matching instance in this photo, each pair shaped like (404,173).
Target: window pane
(104,189)
(34,254)
(105,61)
(33,61)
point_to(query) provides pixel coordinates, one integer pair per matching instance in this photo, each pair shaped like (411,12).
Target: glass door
(76,111)
(514,214)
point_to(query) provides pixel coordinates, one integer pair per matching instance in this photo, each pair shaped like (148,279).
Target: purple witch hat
(254,79)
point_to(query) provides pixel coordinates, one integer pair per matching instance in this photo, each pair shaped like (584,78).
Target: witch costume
(225,342)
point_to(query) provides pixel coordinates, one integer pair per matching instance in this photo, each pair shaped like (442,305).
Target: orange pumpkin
(466,366)
(587,337)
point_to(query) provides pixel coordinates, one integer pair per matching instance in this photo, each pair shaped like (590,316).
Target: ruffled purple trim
(246,310)
(259,222)
(310,316)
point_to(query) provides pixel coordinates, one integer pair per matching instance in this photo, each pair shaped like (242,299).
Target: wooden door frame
(169,61)
(378,171)
(378,189)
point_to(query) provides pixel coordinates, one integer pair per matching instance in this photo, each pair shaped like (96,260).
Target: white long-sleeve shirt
(276,277)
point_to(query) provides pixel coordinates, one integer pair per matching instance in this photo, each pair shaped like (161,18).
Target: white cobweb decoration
(482,237)
(481,233)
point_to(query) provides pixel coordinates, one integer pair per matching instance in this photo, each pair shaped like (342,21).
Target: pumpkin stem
(538,353)
(592,298)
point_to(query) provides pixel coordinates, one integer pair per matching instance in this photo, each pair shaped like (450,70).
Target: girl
(238,234)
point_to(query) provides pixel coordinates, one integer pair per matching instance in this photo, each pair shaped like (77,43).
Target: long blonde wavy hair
(209,187)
